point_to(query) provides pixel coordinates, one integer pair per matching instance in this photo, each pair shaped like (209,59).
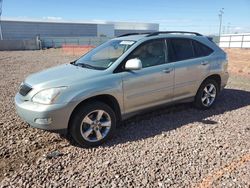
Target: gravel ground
(177,146)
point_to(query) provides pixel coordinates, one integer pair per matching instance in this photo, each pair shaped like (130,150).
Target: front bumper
(58,115)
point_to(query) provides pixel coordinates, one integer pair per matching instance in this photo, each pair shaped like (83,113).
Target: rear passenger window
(201,50)
(181,49)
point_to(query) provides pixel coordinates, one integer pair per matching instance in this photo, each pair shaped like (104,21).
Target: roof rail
(128,34)
(169,32)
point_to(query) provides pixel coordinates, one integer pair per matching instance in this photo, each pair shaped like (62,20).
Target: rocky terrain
(178,146)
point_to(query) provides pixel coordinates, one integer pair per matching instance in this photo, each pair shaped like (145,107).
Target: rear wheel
(207,94)
(92,124)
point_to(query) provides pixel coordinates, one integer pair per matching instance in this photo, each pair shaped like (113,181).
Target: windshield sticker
(126,42)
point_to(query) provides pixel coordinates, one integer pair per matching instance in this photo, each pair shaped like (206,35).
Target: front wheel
(92,124)
(207,94)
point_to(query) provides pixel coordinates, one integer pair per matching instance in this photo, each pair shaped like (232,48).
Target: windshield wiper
(88,66)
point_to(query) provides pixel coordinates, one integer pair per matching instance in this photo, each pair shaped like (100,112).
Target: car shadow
(166,119)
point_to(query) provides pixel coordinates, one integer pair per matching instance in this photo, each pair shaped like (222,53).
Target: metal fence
(235,40)
(58,42)
(31,44)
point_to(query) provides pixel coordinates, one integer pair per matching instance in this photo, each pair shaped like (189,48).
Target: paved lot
(177,146)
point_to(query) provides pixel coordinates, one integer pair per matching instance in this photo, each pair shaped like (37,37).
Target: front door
(153,84)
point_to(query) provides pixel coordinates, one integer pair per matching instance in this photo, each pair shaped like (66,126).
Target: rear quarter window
(201,50)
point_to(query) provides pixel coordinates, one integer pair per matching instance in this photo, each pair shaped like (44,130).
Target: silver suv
(120,78)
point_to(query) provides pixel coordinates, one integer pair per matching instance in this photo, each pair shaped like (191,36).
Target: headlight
(47,96)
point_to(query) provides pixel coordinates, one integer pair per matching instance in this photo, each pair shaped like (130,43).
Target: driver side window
(151,53)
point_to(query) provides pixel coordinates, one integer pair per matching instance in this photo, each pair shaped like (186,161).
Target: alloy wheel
(208,95)
(95,126)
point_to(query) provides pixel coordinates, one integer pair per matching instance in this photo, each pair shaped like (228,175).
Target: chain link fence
(58,42)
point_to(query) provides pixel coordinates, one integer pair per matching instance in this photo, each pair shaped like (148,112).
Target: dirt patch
(239,61)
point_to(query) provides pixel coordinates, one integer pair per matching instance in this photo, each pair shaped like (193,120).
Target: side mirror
(133,64)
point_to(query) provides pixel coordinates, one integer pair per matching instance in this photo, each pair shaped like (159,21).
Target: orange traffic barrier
(70,49)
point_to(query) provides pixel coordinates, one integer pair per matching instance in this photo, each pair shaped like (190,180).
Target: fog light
(43,121)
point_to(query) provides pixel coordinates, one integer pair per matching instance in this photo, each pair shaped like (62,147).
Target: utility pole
(1,34)
(228,27)
(221,12)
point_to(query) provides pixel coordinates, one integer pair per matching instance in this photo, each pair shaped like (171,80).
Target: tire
(205,98)
(92,124)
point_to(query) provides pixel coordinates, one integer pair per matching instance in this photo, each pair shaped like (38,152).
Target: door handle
(168,70)
(204,62)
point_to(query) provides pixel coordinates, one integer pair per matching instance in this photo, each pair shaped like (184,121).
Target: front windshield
(105,55)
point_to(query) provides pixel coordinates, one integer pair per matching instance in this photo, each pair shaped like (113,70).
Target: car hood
(62,75)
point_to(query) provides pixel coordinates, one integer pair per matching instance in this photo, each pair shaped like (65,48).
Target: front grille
(24,89)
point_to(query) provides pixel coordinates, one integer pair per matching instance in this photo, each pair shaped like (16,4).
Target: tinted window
(201,50)
(181,49)
(151,53)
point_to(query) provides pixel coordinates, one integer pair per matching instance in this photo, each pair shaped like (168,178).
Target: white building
(27,29)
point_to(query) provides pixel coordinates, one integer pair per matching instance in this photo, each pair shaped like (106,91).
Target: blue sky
(195,15)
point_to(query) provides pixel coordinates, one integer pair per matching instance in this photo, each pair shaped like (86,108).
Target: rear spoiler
(210,38)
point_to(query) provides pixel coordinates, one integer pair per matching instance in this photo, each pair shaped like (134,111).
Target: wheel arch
(110,100)
(215,77)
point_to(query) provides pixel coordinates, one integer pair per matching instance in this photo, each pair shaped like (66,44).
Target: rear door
(190,68)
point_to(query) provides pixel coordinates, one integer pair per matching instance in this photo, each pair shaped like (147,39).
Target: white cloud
(238,28)
(52,18)
(168,21)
